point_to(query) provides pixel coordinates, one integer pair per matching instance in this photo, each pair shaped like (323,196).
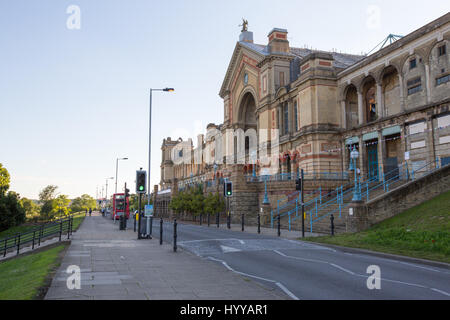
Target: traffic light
(127,192)
(141,178)
(298,185)
(228,189)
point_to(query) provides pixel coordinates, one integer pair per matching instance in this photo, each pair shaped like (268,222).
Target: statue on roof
(244,25)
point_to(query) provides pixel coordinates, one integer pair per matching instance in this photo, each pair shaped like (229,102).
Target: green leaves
(4,180)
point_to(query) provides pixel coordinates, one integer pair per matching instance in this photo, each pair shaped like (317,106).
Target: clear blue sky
(72,101)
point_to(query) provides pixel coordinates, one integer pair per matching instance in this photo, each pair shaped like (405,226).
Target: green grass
(23,278)
(77,219)
(421,232)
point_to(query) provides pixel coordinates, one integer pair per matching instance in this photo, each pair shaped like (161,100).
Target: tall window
(442,50)
(412,64)
(295,116)
(286,118)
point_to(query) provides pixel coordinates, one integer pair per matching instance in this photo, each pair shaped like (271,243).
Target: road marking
(297,258)
(280,285)
(420,267)
(226,249)
(440,291)
(203,240)
(343,269)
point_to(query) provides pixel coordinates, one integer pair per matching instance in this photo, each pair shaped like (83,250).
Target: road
(308,271)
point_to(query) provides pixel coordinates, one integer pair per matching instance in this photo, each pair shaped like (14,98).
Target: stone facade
(287,109)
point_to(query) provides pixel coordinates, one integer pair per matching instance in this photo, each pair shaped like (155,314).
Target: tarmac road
(307,271)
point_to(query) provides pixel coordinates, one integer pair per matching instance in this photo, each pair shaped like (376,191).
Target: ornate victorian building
(310,108)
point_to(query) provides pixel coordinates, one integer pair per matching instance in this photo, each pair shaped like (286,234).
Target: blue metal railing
(342,196)
(295,175)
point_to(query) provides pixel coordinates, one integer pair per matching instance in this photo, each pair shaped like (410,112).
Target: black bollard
(201,217)
(175,235)
(332,224)
(208,219)
(242,222)
(217,219)
(259,223)
(160,231)
(228,221)
(278,225)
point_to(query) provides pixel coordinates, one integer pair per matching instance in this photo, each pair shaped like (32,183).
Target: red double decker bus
(120,207)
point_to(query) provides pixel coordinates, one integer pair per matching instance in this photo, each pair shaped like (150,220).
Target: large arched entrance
(248,124)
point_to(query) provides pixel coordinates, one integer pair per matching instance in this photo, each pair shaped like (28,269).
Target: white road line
(204,240)
(280,285)
(420,267)
(343,269)
(440,291)
(365,276)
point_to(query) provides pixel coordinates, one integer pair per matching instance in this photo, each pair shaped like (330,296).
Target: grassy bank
(78,218)
(24,278)
(421,232)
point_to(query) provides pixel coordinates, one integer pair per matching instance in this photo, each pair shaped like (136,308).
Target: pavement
(304,270)
(115,265)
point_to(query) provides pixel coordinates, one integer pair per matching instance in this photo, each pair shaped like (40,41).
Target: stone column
(428,82)
(381,154)
(380,101)
(360,109)
(402,92)
(344,115)
(429,140)
(362,155)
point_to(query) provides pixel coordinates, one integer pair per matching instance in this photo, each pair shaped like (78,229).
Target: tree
(60,206)
(31,208)
(214,203)
(85,202)
(46,198)
(4,180)
(11,211)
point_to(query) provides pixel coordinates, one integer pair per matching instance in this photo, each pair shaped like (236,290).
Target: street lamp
(117,168)
(357,192)
(106,197)
(150,137)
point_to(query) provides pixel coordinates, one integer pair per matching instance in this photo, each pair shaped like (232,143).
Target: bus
(119,206)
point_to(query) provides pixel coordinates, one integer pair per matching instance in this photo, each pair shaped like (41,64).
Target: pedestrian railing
(313,175)
(36,235)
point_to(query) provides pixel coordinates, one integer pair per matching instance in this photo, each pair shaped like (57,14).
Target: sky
(74,88)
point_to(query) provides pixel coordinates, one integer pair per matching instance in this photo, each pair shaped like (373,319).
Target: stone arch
(246,115)
(439,69)
(350,97)
(368,90)
(414,84)
(390,88)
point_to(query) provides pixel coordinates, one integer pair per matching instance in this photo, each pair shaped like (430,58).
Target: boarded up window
(417,127)
(418,144)
(443,121)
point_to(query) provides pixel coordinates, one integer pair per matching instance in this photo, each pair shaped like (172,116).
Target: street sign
(148,212)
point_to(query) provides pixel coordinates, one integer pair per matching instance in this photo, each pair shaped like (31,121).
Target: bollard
(135,222)
(175,235)
(228,220)
(18,245)
(332,224)
(278,225)
(217,219)
(259,223)
(160,231)
(242,222)
(208,219)
(201,217)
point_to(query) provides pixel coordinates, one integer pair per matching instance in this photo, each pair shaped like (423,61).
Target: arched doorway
(248,123)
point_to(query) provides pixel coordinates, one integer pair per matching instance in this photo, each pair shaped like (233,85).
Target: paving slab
(116,266)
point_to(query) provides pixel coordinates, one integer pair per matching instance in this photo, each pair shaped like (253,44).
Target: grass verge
(420,232)
(28,277)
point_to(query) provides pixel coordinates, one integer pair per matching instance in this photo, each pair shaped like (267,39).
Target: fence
(314,175)
(36,235)
(336,201)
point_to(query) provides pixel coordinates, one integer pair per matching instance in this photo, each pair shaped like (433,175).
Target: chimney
(278,42)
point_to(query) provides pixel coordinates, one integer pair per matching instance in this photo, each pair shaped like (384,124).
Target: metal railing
(36,235)
(337,200)
(314,175)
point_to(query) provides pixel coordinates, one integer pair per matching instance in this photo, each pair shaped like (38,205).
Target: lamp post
(117,168)
(357,192)
(266,196)
(106,197)
(150,137)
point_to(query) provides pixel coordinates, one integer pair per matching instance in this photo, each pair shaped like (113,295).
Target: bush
(11,211)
